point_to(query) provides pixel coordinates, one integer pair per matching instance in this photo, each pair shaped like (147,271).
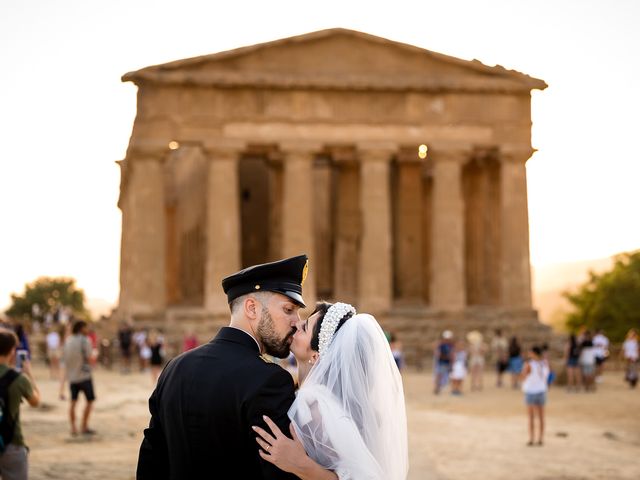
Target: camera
(21,357)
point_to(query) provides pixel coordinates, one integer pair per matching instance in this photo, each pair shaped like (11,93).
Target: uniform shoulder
(274,374)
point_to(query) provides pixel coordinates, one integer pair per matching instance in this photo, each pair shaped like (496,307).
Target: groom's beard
(266,333)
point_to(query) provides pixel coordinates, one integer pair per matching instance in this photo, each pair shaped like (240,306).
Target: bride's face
(301,344)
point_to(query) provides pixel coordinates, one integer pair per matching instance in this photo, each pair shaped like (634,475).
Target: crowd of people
(584,357)
(583,361)
(73,349)
(146,345)
(455,360)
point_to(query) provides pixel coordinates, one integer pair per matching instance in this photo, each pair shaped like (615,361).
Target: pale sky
(65,116)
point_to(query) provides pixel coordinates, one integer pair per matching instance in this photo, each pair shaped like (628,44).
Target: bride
(348,420)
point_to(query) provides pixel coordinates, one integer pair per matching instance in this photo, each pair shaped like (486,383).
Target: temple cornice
(351,82)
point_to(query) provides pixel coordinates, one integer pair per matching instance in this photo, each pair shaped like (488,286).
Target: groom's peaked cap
(284,276)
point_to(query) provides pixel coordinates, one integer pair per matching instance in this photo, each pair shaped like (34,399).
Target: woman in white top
(349,414)
(630,352)
(459,369)
(534,385)
(587,362)
(630,346)
(54,352)
(477,351)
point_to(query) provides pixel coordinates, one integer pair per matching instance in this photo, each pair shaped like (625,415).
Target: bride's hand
(277,448)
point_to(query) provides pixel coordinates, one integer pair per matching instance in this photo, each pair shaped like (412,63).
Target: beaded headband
(330,322)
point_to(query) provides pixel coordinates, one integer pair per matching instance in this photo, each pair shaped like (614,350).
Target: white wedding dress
(350,413)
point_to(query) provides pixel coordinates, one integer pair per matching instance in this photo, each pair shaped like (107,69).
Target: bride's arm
(289,455)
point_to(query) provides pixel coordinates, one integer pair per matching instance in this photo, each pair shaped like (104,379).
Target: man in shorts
(77,359)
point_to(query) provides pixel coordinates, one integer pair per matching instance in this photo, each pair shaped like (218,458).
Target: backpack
(444,353)
(7,423)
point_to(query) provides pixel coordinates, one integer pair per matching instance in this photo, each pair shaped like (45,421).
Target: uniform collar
(237,335)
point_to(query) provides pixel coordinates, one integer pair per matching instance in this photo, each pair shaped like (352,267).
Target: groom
(207,399)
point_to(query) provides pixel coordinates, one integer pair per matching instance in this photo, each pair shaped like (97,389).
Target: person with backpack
(14,386)
(443,360)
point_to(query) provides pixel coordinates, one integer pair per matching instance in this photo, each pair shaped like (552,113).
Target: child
(459,370)
(534,386)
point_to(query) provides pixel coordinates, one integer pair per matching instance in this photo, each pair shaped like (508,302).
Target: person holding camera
(14,386)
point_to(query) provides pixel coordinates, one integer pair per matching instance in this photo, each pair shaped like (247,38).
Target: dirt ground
(478,435)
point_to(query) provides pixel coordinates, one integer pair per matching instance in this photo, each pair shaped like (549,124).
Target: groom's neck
(245,326)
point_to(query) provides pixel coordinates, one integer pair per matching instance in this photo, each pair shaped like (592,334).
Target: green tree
(609,300)
(48,294)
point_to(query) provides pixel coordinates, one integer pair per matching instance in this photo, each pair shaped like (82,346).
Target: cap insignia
(305,270)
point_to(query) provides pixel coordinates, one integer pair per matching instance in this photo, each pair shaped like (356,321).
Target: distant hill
(551,280)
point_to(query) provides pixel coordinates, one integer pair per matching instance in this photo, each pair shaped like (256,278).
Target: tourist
(601,344)
(190,340)
(92,335)
(534,386)
(396,350)
(105,353)
(545,356)
(443,357)
(54,352)
(572,358)
(459,368)
(477,351)
(23,340)
(65,333)
(630,354)
(515,361)
(144,354)
(141,347)
(156,346)
(77,359)
(587,362)
(125,334)
(499,350)
(15,387)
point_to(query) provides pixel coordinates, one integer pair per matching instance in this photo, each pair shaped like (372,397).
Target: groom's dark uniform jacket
(203,408)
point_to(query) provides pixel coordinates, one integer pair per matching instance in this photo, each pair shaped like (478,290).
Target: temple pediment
(337,59)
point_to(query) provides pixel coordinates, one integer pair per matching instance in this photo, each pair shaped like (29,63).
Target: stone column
(375,290)
(347,225)
(516,269)
(447,241)
(323,193)
(223,243)
(143,288)
(408,227)
(297,209)
(125,236)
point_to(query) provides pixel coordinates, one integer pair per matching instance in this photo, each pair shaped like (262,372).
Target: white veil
(350,412)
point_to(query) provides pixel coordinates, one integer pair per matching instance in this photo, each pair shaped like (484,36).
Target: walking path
(479,435)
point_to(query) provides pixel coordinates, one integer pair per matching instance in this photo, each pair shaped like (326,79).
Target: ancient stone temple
(400,171)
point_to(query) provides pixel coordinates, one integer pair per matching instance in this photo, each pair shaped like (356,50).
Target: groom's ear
(251,308)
